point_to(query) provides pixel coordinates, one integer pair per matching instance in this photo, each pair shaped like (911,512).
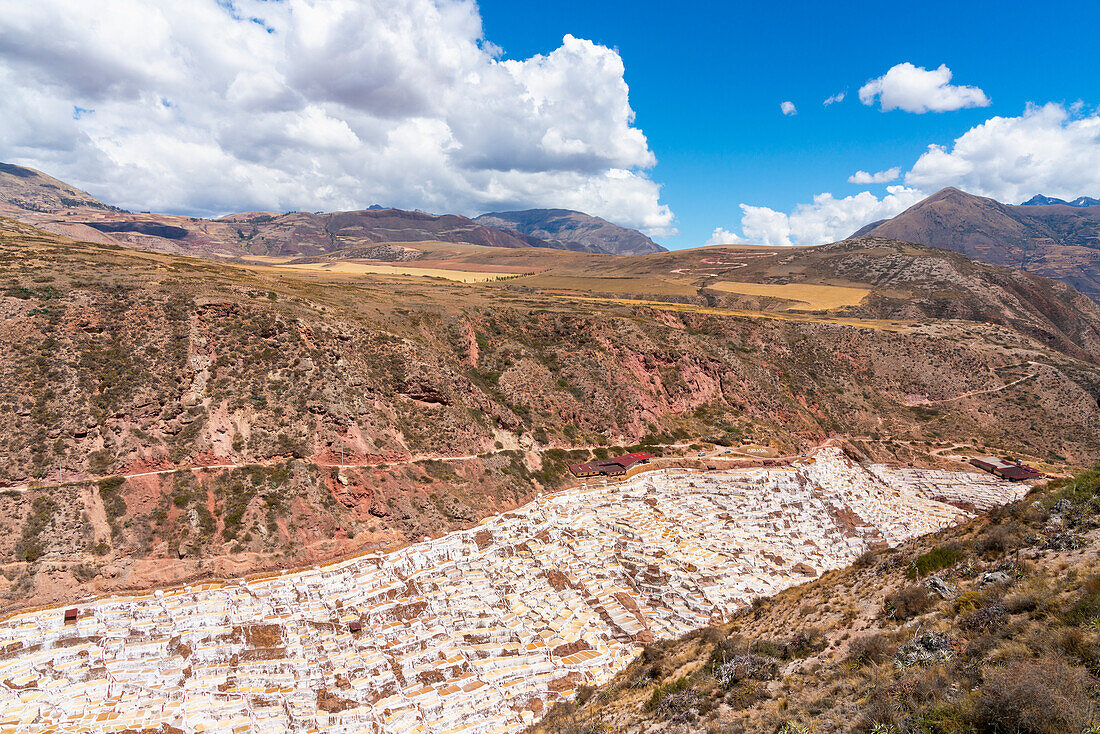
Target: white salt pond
(478,631)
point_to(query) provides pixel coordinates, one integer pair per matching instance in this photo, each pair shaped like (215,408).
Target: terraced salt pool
(478,631)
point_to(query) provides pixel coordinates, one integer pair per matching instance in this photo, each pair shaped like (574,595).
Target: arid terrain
(472,367)
(340,411)
(479,630)
(173,425)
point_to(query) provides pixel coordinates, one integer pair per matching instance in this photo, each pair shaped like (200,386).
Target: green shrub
(114,506)
(30,547)
(660,693)
(934,560)
(1086,611)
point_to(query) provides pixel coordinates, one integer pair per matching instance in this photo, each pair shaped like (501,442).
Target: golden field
(812,297)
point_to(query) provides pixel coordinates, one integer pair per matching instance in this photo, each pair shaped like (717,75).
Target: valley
(291,485)
(211,419)
(471,367)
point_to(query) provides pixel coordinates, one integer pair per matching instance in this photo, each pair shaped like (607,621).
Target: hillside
(570,230)
(300,233)
(25,189)
(443,402)
(1058,241)
(888,280)
(990,626)
(910,281)
(480,630)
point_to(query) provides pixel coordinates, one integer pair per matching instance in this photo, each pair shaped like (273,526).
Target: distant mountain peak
(1045,235)
(1079,202)
(953,194)
(573,230)
(29,190)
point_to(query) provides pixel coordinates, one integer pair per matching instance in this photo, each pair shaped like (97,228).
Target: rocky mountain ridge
(25,189)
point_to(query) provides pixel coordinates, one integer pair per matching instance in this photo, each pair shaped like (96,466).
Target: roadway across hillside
(412,459)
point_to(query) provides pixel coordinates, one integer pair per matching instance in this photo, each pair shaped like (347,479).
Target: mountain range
(1060,241)
(1080,201)
(55,206)
(1045,236)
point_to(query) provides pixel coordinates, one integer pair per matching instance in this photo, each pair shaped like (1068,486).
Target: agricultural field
(653,286)
(878,324)
(810,297)
(358,268)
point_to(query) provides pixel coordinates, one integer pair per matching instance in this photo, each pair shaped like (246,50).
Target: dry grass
(877,324)
(813,297)
(626,285)
(354,268)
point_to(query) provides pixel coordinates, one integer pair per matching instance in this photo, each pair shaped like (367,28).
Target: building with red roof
(610,467)
(1014,472)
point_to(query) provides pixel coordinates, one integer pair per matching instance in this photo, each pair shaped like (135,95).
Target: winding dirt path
(412,459)
(972,393)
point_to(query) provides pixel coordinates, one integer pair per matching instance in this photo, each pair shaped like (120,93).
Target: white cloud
(881,177)
(204,107)
(722,236)
(827,219)
(1049,149)
(788,108)
(838,97)
(916,89)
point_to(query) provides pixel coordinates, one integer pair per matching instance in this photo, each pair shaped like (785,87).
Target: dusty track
(326,464)
(987,391)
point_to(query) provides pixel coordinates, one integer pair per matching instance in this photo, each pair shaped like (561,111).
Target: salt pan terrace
(477,631)
(980,491)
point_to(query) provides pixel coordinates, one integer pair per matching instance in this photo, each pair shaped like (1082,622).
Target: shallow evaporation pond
(478,631)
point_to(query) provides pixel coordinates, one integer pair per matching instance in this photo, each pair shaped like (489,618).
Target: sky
(696,122)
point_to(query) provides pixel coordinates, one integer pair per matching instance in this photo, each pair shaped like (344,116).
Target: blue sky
(664,117)
(706,81)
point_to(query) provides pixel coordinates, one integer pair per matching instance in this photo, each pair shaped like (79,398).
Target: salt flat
(478,631)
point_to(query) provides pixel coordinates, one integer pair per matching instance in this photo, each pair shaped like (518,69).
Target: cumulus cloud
(204,106)
(916,89)
(788,108)
(827,219)
(1049,149)
(722,236)
(881,177)
(838,97)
